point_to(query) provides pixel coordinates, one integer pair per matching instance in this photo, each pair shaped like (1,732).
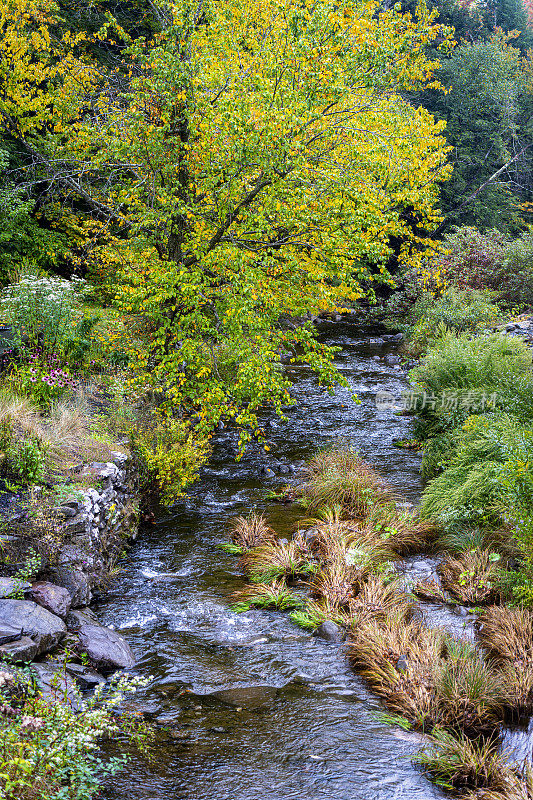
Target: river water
(298,724)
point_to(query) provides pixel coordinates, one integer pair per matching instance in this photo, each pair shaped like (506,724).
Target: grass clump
(274,560)
(340,477)
(455,762)
(398,659)
(263,595)
(248,532)
(473,577)
(469,692)
(506,634)
(403,530)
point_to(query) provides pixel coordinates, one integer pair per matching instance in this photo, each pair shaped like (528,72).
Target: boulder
(55,684)
(392,360)
(9,633)
(44,628)
(106,649)
(80,616)
(330,631)
(23,649)
(10,585)
(70,575)
(54,598)
(85,676)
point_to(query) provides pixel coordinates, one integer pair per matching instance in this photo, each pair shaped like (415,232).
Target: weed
(262,595)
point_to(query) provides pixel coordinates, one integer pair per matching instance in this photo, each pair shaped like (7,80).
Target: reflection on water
(297,723)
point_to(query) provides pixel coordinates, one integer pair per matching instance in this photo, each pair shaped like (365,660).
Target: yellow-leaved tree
(247,162)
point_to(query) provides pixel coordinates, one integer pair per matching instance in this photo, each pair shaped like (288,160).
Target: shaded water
(307,728)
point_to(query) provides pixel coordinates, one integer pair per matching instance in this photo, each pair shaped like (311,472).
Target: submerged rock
(330,631)
(43,627)
(245,696)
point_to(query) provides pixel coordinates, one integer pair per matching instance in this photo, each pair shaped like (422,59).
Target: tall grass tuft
(262,595)
(340,477)
(470,693)
(473,577)
(268,562)
(456,762)
(251,531)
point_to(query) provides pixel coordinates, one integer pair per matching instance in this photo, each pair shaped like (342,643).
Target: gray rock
(23,649)
(54,598)
(44,628)
(377,342)
(56,685)
(9,633)
(65,511)
(106,649)
(10,585)
(100,470)
(402,664)
(75,580)
(73,504)
(284,469)
(376,358)
(85,676)
(78,524)
(246,696)
(79,617)
(392,360)
(330,631)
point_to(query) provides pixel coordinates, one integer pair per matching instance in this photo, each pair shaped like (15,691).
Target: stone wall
(92,526)
(97,522)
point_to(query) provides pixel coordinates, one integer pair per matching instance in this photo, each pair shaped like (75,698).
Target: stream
(290,719)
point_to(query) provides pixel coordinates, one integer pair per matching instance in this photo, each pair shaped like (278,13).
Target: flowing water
(292,721)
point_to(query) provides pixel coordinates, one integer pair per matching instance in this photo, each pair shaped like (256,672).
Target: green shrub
(492,470)
(458,310)
(27,460)
(472,258)
(42,310)
(461,376)
(48,750)
(514,278)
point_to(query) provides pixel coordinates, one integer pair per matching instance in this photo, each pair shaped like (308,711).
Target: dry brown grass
(430,590)
(381,599)
(378,650)
(65,433)
(511,782)
(506,634)
(472,578)
(470,692)
(251,531)
(403,530)
(337,584)
(340,477)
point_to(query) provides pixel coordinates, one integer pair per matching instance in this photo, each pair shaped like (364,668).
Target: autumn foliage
(247,161)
